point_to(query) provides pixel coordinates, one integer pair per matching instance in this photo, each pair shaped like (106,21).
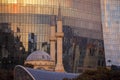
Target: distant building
(32,42)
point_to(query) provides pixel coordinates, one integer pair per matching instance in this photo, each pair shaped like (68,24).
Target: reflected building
(32,42)
(111,30)
(8,42)
(30,20)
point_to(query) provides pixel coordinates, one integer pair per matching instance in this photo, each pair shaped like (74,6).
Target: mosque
(50,67)
(44,65)
(42,60)
(35,25)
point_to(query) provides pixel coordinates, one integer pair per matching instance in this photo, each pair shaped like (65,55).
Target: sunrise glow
(65,3)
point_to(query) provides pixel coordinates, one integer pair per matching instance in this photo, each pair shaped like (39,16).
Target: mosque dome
(38,55)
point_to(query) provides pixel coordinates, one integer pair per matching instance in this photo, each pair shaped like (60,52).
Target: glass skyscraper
(29,24)
(111,30)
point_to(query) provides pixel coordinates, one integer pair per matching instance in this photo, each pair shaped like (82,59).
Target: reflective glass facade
(111,30)
(29,22)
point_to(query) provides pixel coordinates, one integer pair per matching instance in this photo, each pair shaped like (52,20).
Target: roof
(38,55)
(47,75)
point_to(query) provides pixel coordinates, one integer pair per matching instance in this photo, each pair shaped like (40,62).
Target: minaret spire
(52,22)
(52,36)
(59,13)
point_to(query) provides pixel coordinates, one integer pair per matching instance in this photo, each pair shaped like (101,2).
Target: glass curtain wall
(111,30)
(29,24)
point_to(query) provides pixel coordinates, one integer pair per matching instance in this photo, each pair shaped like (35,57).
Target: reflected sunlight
(8,1)
(66,3)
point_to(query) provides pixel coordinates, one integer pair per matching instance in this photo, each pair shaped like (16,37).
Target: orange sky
(41,2)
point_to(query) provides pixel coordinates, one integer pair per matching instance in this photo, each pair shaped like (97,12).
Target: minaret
(52,37)
(59,36)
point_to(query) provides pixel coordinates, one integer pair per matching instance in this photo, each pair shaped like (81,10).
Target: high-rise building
(111,30)
(81,25)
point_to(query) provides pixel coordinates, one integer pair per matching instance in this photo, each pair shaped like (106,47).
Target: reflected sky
(113,11)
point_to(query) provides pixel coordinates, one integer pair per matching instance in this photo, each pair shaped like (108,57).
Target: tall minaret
(52,37)
(59,35)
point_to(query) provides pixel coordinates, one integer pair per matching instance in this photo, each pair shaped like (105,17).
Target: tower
(52,37)
(59,36)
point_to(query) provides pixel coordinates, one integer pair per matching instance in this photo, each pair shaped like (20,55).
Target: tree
(6,75)
(99,74)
